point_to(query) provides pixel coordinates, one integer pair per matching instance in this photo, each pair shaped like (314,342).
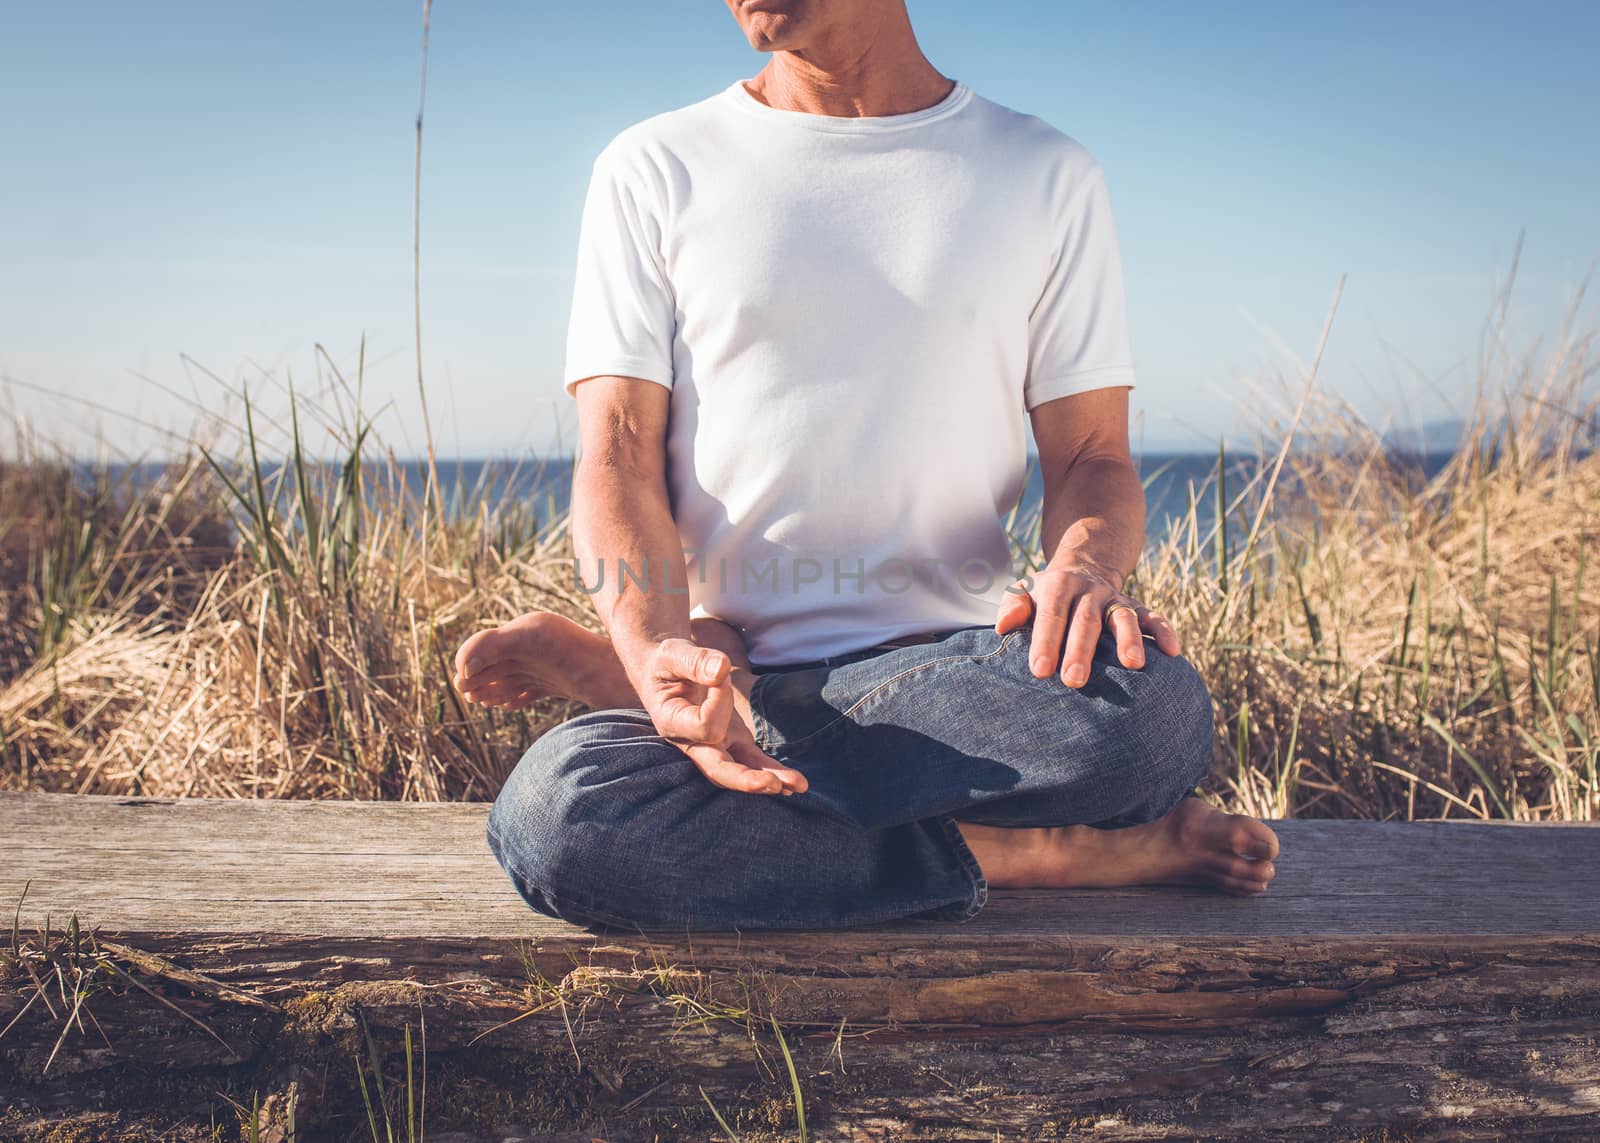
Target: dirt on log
(1227,1040)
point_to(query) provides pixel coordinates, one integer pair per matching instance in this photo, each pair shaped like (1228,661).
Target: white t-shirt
(854,316)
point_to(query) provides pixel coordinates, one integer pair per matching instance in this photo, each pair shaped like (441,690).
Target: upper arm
(1084,426)
(620,336)
(623,317)
(1078,328)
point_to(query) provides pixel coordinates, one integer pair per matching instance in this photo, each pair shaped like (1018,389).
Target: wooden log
(1438,980)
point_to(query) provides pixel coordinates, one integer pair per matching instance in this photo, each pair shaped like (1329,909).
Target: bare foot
(543,655)
(540,655)
(1193,845)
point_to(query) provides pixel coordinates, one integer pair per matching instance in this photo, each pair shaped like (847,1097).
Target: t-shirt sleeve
(1078,330)
(622,321)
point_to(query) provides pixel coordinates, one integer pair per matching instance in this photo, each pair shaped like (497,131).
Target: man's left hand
(1068,606)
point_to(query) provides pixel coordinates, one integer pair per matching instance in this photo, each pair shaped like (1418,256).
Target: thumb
(1014,612)
(702,665)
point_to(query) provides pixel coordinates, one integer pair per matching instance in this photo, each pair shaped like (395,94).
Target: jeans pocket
(760,727)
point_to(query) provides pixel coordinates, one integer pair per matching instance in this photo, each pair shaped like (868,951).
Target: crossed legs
(544,654)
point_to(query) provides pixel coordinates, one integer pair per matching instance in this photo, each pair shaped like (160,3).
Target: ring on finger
(1116,607)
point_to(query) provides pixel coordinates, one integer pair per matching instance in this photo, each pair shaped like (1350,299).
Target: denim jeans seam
(970,866)
(889,682)
(591,914)
(760,727)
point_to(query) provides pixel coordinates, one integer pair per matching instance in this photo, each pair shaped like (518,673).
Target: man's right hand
(689,694)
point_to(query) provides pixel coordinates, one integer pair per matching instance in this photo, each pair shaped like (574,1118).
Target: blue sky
(232,182)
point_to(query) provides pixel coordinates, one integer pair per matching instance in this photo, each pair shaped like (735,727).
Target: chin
(772,25)
(771,31)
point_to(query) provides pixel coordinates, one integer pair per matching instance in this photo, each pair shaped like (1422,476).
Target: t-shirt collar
(738,95)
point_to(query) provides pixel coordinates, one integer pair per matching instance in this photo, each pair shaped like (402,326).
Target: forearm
(629,556)
(1093,515)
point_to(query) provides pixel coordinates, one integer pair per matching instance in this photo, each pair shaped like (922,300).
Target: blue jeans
(605,823)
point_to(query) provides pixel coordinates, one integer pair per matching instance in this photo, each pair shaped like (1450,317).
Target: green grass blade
(794,1081)
(366,1099)
(1491,787)
(732,1135)
(411,1093)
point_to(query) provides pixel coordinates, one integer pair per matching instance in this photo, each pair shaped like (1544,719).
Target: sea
(1176,484)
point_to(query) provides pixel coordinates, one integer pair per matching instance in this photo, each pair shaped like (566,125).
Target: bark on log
(1159,1044)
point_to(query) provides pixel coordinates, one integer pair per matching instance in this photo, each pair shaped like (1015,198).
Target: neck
(880,73)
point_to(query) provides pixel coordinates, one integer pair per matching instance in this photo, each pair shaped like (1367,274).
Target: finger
(751,755)
(715,711)
(683,719)
(1166,638)
(1014,612)
(1081,638)
(720,769)
(684,660)
(1049,628)
(1130,638)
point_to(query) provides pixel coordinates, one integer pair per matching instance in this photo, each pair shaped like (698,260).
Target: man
(811,313)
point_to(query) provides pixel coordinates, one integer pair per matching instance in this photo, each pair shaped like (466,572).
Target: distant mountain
(1430,437)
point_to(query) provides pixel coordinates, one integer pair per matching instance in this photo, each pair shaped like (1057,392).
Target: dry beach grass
(1378,646)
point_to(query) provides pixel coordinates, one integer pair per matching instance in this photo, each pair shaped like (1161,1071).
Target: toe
(490,675)
(474,654)
(496,691)
(512,690)
(1240,887)
(1250,838)
(1243,869)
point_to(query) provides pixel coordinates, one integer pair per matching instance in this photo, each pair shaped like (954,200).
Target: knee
(1156,718)
(557,825)
(1170,718)
(530,824)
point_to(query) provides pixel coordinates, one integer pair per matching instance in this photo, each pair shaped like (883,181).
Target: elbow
(621,460)
(1107,469)
(603,480)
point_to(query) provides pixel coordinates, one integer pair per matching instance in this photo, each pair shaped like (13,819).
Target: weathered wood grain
(344,869)
(1429,980)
